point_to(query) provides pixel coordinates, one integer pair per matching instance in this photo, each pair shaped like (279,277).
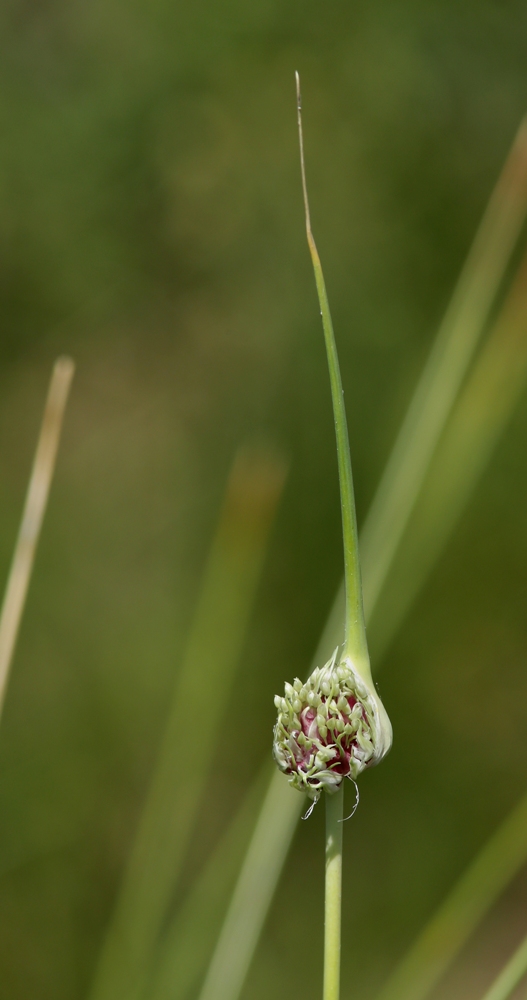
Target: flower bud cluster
(329,728)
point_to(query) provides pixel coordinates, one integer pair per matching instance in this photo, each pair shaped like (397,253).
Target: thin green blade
(355,644)
(509,977)
(386,523)
(212,654)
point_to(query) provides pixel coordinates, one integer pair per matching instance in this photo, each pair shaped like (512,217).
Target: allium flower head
(330,728)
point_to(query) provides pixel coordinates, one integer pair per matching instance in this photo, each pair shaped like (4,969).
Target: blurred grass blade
(442,938)
(391,509)
(255,884)
(260,871)
(481,413)
(212,653)
(253,893)
(33,515)
(485,405)
(509,977)
(479,417)
(449,360)
(189,939)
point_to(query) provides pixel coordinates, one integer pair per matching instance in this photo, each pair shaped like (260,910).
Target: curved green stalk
(355,645)
(486,878)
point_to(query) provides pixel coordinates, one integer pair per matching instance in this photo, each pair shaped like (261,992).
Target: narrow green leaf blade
(466,904)
(189,939)
(212,654)
(480,416)
(394,502)
(449,360)
(509,977)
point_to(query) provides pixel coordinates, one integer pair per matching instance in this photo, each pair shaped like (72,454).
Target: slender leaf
(466,904)
(479,418)
(509,977)
(253,892)
(189,939)
(256,881)
(447,365)
(391,511)
(207,671)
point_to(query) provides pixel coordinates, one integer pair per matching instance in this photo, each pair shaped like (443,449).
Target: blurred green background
(151,225)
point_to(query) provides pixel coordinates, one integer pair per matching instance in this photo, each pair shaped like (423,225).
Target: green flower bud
(330,728)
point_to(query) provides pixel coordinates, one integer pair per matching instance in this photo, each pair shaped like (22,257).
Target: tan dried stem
(32,517)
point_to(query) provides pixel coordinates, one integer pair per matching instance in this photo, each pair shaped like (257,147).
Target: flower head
(330,728)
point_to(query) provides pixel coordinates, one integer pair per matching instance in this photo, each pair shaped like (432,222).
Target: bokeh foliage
(151,225)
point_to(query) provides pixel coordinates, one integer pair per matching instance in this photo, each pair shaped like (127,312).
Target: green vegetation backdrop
(151,225)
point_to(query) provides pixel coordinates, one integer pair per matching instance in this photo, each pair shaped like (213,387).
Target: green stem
(355,645)
(334,813)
